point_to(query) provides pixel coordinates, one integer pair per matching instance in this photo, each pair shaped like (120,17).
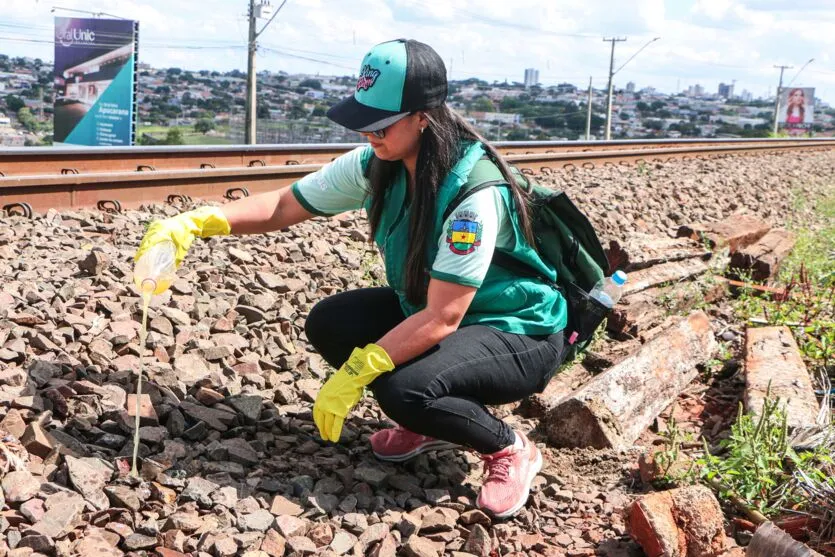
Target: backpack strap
(485,174)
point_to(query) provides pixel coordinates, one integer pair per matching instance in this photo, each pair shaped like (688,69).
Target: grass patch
(758,466)
(808,305)
(190,137)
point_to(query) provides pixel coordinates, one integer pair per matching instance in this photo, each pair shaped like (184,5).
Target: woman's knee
(316,324)
(397,398)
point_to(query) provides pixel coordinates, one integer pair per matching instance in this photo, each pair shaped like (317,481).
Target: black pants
(442,392)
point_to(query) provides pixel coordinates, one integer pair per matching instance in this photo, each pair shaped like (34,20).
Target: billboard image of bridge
(95,81)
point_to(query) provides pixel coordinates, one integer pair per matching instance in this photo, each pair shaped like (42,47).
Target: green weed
(757,464)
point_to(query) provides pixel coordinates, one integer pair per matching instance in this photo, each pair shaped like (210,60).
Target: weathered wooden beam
(638,312)
(769,541)
(560,386)
(665,272)
(614,408)
(736,232)
(641,311)
(774,367)
(763,258)
(640,251)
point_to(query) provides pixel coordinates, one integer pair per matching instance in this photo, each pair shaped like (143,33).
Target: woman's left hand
(344,388)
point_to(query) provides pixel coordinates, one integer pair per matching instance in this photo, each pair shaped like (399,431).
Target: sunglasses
(381,134)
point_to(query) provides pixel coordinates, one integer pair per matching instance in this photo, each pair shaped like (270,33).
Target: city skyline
(702,42)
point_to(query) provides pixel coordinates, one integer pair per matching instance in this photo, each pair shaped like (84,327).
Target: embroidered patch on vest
(464,233)
(368,77)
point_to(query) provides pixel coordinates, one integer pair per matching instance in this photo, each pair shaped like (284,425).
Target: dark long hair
(441,147)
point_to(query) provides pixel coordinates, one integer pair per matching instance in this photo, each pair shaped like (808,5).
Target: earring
(421,130)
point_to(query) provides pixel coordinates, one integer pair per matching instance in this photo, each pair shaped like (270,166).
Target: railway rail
(36,179)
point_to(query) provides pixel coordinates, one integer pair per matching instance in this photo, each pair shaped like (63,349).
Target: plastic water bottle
(609,289)
(156,269)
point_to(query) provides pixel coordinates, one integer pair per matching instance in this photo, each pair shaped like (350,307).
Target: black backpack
(564,238)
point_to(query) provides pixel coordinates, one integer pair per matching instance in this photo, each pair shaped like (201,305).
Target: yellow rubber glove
(182,229)
(343,390)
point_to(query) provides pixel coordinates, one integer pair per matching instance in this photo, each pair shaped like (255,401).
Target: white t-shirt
(468,238)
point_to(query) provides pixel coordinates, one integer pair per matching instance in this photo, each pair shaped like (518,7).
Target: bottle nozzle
(148,285)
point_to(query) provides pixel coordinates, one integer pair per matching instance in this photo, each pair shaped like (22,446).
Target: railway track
(36,179)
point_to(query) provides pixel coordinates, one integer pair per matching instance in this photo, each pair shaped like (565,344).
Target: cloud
(704,41)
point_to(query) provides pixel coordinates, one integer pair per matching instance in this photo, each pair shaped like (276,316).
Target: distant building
(726,90)
(746,96)
(696,91)
(501,117)
(565,88)
(531,77)
(630,87)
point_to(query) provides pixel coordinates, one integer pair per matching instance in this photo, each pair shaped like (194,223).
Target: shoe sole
(433,446)
(536,466)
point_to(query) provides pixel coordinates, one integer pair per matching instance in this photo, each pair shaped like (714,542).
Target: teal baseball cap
(396,78)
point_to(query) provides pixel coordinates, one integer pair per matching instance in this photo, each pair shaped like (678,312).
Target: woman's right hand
(181,230)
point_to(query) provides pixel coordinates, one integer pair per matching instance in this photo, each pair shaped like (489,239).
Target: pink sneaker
(510,473)
(398,444)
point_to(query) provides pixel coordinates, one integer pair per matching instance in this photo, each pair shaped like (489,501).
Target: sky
(701,41)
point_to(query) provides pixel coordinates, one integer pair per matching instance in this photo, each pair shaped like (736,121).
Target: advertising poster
(95,62)
(797,107)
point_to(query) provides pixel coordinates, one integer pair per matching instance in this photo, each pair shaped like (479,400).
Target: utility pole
(613,40)
(249,126)
(777,97)
(588,114)
(251,77)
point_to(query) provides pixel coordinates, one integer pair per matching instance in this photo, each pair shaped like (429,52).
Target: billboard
(95,81)
(797,107)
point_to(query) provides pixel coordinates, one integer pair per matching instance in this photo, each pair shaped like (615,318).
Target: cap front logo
(368,76)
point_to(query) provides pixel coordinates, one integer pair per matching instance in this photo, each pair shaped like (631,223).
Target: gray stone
(214,353)
(89,476)
(41,372)
(300,545)
(289,526)
(95,263)
(33,510)
(123,497)
(190,368)
(259,521)
(240,451)
(225,497)
(269,280)
(214,418)
(373,534)
(176,316)
(135,542)
(199,490)
(419,547)
(343,542)
(372,475)
(478,542)
(248,405)
(62,510)
(38,542)
(20,486)
(176,423)
(251,314)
